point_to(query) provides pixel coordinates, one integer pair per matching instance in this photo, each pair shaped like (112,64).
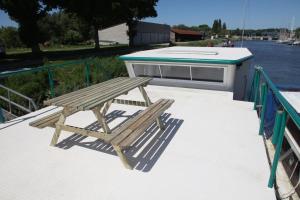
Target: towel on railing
(272,106)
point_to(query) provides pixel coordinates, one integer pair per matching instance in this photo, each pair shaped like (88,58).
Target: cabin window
(146,70)
(175,72)
(207,74)
(194,73)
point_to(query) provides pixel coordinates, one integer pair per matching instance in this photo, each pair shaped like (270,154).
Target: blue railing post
(278,149)
(264,91)
(51,83)
(87,73)
(2,118)
(277,127)
(256,86)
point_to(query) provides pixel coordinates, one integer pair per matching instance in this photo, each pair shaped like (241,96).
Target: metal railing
(261,84)
(31,105)
(49,68)
(46,68)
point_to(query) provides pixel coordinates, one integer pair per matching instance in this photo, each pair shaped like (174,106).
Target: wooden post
(145,95)
(106,107)
(61,121)
(122,157)
(101,119)
(148,103)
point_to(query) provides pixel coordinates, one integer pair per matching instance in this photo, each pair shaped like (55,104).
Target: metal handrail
(31,104)
(48,67)
(258,94)
(44,67)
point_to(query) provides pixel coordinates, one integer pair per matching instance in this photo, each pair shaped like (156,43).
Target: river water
(280,61)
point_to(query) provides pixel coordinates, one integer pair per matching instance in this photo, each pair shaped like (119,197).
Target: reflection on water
(280,61)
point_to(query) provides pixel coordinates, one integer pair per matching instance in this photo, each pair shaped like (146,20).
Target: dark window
(175,72)
(208,74)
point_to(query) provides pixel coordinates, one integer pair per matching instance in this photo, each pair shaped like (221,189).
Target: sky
(258,13)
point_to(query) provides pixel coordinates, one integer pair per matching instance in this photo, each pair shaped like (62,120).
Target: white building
(147,33)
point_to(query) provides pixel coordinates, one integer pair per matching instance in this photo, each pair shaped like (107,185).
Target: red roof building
(185,35)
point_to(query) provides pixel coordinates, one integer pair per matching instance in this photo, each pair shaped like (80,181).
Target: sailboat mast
(292,28)
(244,21)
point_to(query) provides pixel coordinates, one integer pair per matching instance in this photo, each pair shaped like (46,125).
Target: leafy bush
(72,37)
(10,37)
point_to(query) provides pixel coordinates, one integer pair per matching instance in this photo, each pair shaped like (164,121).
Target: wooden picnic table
(98,98)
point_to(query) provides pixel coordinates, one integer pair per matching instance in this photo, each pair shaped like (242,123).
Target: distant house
(178,35)
(146,33)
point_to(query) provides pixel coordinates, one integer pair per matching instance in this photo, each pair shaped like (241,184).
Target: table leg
(122,157)
(160,123)
(101,119)
(58,124)
(148,103)
(106,107)
(145,95)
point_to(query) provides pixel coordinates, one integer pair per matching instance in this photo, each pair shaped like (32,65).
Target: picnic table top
(92,96)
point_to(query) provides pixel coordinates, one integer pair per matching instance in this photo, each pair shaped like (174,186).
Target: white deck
(210,150)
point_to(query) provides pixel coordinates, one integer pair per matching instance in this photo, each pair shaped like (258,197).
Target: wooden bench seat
(131,130)
(48,120)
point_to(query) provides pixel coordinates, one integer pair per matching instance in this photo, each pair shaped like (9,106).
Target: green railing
(49,68)
(261,84)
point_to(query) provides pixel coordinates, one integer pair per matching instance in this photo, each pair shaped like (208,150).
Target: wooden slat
(121,131)
(99,93)
(39,122)
(48,120)
(130,102)
(90,104)
(92,92)
(82,92)
(84,132)
(141,123)
(144,122)
(56,99)
(140,130)
(96,91)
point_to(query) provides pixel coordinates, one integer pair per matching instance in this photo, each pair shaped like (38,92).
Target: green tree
(134,10)
(224,27)
(219,26)
(10,37)
(27,14)
(65,28)
(215,28)
(181,26)
(204,27)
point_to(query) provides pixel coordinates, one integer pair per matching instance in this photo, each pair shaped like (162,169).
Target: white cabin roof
(210,149)
(218,55)
(293,97)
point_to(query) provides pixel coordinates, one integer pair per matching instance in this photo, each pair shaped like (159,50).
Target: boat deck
(209,150)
